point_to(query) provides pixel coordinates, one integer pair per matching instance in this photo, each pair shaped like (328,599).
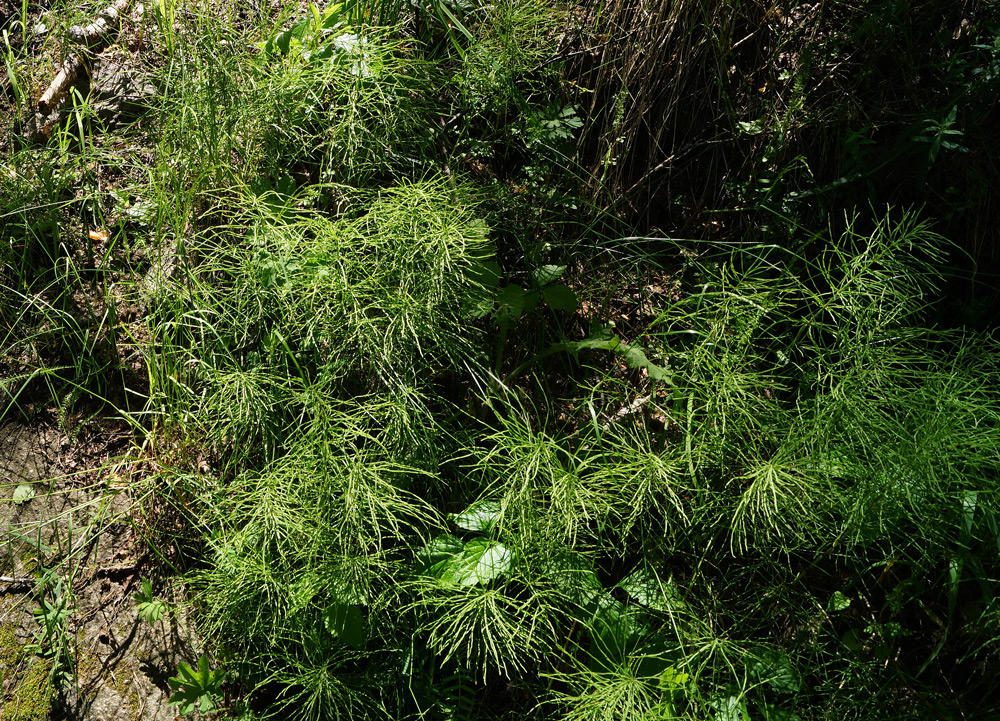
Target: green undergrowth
(427,439)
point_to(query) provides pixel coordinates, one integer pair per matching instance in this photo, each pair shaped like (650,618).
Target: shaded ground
(74,540)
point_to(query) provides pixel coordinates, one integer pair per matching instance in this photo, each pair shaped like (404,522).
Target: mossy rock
(11,650)
(27,690)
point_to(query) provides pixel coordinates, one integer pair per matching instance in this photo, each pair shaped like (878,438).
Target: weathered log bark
(91,37)
(93,33)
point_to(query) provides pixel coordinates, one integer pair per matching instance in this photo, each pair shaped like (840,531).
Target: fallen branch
(90,37)
(93,33)
(18,580)
(57,88)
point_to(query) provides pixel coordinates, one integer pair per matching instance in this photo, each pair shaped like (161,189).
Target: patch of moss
(29,559)
(32,696)
(125,688)
(11,650)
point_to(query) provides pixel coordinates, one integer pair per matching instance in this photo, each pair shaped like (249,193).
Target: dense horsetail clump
(466,390)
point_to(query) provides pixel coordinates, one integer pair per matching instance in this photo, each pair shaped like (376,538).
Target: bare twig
(18,580)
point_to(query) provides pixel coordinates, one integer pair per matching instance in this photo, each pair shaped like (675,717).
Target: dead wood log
(90,37)
(92,34)
(57,88)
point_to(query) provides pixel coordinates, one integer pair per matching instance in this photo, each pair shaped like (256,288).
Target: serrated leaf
(480,517)
(195,687)
(560,297)
(151,611)
(23,493)
(545,274)
(754,127)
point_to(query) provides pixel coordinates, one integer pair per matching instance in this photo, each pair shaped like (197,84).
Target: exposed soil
(78,529)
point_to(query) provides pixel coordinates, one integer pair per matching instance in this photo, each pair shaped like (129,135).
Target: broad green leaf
(754,127)
(560,297)
(634,355)
(777,713)
(545,274)
(644,586)
(729,708)
(23,493)
(671,679)
(346,622)
(636,358)
(345,591)
(437,552)
(574,575)
(485,273)
(776,669)
(511,301)
(480,517)
(480,562)
(838,602)
(615,632)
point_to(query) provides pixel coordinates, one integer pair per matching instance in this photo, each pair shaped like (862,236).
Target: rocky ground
(72,644)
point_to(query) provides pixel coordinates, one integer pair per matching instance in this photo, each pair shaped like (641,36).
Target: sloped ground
(73,541)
